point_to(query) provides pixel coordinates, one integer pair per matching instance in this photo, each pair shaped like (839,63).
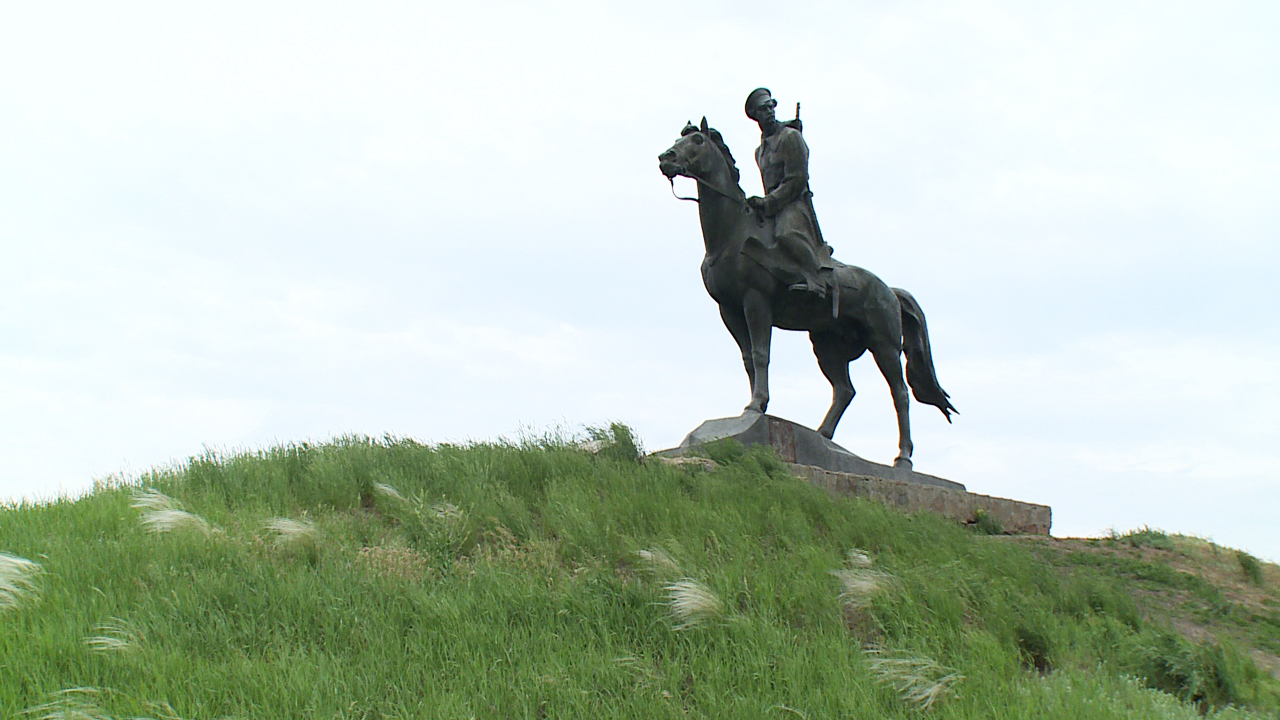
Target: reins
(734,198)
(672,180)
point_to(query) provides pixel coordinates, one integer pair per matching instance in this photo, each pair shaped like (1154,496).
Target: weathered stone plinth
(829,466)
(798,444)
(1014,516)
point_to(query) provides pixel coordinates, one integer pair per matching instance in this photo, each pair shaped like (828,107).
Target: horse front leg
(759,320)
(736,322)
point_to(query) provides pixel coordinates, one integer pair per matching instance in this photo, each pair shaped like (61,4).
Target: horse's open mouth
(669,168)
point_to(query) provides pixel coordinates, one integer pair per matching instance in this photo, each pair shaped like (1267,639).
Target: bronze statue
(783,159)
(750,272)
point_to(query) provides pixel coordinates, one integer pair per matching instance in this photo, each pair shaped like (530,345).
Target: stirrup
(806,287)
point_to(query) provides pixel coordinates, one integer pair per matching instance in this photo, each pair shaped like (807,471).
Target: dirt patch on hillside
(1208,596)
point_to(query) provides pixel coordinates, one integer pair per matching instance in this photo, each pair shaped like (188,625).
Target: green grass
(389,579)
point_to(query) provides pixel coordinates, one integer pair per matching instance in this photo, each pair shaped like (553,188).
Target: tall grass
(536,579)
(17,581)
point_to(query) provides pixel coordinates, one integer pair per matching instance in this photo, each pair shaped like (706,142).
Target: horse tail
(915,343)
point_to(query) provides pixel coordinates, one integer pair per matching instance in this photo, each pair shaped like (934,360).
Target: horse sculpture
(752,292)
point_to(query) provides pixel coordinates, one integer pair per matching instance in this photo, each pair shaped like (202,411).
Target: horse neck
(721,217)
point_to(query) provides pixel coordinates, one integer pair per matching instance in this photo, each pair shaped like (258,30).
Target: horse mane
(724,150)
(718,140)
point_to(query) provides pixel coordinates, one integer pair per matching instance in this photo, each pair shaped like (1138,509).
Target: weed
(399,563)
(985,523)
(1148,537)
(1034,646)
(1208,675)
(615,442)
(1250,566)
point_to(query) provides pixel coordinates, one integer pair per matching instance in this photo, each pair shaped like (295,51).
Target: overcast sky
(239,224)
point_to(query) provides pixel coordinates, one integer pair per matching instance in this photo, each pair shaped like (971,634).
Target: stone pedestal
(829,466)
(799,445)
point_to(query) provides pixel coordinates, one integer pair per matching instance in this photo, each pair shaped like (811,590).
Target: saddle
(761,246)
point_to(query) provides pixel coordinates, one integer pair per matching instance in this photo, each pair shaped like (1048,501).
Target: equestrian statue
(767,266)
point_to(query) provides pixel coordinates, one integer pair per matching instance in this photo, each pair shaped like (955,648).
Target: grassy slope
(506,584)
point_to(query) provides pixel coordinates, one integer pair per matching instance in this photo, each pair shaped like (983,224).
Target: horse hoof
(904,463)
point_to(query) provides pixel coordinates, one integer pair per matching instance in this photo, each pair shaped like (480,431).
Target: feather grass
(859,558)
(918,680)
(658,562)
(692,603)
(386,491)
(115,635)
(162,514)
(291,533)
(77,703)
(17,581)
(169,520)
(448,512)
(149,499)
(858,587)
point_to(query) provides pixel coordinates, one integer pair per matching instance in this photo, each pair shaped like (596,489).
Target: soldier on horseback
(783,158)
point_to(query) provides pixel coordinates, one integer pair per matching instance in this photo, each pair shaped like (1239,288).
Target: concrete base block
(1014,516)
(829,466)
(796,443)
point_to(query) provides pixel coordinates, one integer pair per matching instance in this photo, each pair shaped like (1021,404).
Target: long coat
(783,159)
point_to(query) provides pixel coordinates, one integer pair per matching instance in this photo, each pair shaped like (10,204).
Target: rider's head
(760,105)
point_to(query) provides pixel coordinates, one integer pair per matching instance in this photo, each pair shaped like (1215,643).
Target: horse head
(701,154)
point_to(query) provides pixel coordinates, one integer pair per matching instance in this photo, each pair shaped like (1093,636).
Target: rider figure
(783,158)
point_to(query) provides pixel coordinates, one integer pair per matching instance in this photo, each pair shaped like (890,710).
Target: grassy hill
(389,579)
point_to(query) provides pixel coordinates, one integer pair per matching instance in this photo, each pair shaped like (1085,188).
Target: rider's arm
(795,173)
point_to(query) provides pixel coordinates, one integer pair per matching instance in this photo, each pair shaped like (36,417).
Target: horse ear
(689,129)
(704,123)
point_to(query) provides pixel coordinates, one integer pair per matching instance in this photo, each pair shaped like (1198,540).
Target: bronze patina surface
(767,265)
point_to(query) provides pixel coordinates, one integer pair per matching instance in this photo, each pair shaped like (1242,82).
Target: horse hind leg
(834,355)
(889,359)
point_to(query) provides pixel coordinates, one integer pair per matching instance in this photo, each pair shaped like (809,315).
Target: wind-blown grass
(289,533)
(859,587)
(115,635)
(163,514)
(859,558)
(77,703)
(386,491)
(164,521)
(919,681)
(17,581)
(507,580)
(692,603)
(658,562)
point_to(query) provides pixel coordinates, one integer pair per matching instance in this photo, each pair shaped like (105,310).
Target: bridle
(720,191)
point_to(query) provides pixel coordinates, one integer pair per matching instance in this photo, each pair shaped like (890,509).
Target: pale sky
(254,223)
